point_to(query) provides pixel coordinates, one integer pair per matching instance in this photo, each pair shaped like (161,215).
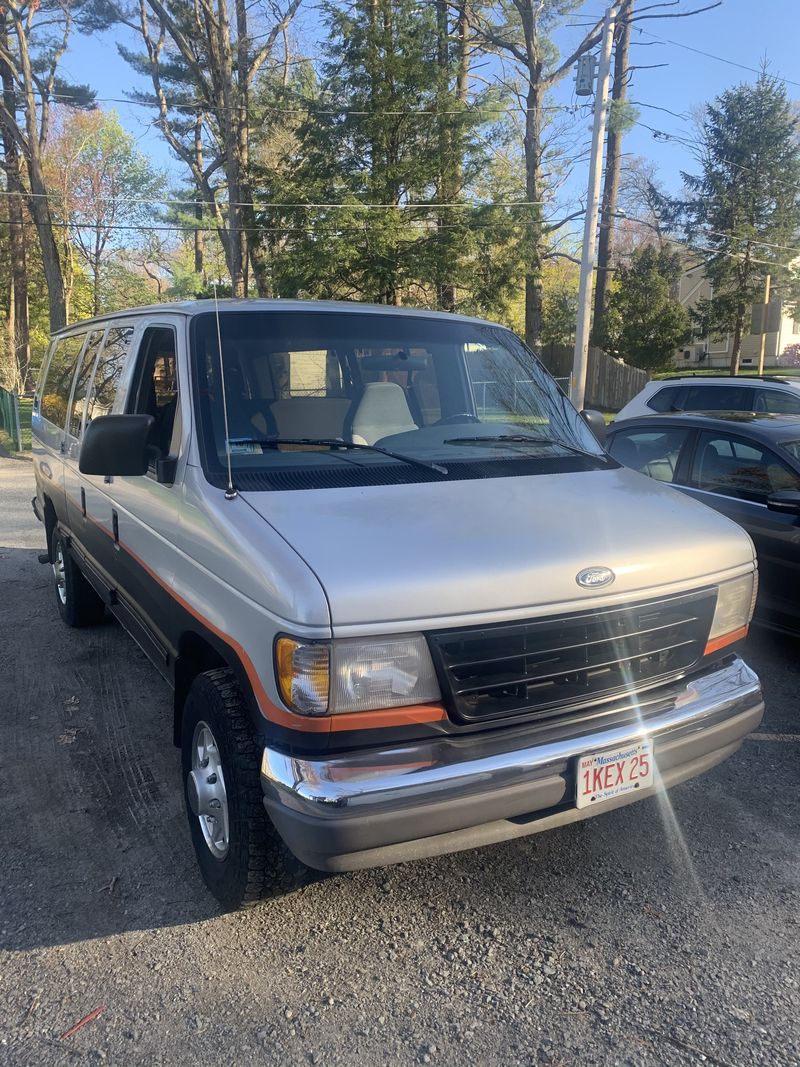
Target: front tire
(78,604)
(239,852)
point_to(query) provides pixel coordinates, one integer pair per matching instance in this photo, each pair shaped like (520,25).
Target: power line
(710,55)
(195,106)
(263,206)
(188,228)
(695,144)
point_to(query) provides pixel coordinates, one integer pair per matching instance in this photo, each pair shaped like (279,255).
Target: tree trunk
(96,288)
(260,262)
(199,236)
(613,166)
(533,191)
(54,277)
(737,340)
(199,239)
(18,297)
(229,119)
(445,290)
(38,203)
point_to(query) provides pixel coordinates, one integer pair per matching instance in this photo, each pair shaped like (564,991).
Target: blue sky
(739,31)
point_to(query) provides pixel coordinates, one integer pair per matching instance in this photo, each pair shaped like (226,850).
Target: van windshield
(325,390)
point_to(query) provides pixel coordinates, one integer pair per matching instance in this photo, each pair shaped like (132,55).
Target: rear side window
(745,469)
(778,401)
(109,371)
(58,384)
(82,380)
(653,452)
(664,399)
(718,398)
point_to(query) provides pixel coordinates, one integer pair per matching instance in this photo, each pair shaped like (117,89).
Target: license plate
(613,773)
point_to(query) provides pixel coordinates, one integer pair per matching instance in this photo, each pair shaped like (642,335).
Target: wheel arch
(199,651)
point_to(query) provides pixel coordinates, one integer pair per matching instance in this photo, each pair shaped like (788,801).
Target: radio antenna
(230,492)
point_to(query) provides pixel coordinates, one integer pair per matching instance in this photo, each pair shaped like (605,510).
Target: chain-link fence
(9,418)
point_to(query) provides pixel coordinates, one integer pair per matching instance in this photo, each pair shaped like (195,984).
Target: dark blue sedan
(746,465)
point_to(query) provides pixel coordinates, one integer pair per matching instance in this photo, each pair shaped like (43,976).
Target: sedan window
(778,401)
(745,469)
(653,452)
(718,398)
(664,399)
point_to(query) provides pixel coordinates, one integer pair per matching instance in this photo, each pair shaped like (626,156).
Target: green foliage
(407,139)
(744,205)
(622,115)
(560,278)
(644,324)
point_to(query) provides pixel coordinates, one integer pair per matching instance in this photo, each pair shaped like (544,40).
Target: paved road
(660,934)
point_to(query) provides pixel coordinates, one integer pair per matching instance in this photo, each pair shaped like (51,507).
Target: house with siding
(782,330)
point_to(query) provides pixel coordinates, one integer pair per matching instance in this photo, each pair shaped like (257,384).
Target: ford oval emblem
(595,577)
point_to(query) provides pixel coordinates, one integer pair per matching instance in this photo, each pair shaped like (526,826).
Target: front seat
(382,411)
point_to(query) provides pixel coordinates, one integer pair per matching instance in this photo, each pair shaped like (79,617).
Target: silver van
(406,602)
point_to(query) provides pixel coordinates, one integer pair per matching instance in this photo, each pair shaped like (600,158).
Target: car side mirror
(787,502)
(596,423)
(116,445)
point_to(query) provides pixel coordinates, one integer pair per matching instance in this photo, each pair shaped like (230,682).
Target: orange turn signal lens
(726,639)
(302,669)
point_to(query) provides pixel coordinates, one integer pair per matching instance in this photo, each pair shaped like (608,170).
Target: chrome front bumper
(373,807)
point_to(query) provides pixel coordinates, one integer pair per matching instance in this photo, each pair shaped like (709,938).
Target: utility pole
(581,360)
(608,206)
(763,342)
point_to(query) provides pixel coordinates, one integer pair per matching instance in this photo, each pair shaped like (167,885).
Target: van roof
(190,308)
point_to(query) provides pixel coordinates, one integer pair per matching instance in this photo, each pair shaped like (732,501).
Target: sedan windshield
(326,389)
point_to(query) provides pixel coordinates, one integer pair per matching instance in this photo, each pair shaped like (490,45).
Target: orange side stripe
(725,639)
(357,720)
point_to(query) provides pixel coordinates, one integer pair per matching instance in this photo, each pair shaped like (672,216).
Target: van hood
(450,553)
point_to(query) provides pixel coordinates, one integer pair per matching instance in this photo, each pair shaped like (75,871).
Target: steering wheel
(460,416)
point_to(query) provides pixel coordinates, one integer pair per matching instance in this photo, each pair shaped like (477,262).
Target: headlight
(735,602)
(332,677)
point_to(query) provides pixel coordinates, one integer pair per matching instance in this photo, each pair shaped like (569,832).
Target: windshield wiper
(338,442)
(523,439)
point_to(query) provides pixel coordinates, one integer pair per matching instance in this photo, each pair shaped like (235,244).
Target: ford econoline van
(406,602)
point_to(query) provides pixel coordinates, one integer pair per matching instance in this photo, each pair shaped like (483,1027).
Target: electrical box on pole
(584,77)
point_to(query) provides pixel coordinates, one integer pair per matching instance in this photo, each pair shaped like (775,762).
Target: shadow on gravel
(94,833)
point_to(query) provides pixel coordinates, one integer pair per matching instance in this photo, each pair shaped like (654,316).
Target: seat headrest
(382,411)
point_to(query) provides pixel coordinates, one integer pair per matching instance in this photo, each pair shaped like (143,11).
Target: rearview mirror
(596,423)
(116,445)
(787,501)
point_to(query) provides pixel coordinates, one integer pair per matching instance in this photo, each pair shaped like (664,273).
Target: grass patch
(25,410)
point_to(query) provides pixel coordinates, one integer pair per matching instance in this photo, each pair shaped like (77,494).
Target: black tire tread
(271,869)
(84,607)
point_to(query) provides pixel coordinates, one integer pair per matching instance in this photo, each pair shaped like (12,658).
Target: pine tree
(644,323)
(744,206)
(395,123)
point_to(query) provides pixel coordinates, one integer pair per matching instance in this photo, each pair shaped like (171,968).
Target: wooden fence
(610,384)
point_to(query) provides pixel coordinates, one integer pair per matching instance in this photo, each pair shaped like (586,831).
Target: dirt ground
(667,932)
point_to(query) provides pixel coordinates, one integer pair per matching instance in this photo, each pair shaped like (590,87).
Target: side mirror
(596,423)
(116,445)
(787,502)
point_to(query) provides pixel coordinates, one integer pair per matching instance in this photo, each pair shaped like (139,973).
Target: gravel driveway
(667,932)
